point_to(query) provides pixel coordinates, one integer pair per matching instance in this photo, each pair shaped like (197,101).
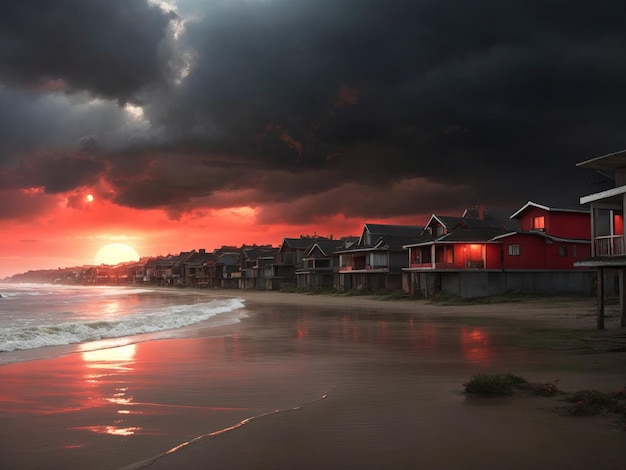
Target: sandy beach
(310,382)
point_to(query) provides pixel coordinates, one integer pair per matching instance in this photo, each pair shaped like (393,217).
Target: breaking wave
(165,318)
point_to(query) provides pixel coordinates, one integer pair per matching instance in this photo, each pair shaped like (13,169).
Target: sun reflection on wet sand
(116,362)
(112,430)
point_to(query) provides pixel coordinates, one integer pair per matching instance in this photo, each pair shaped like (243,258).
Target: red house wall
(494,256)
(569,225)
(559,224)
(537,253)
(532,252)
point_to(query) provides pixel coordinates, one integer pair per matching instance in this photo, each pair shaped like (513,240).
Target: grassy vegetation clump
(493,384)
(443,298)
(290,289)
(583,402)
(547,389)
(593,402)
(506,384)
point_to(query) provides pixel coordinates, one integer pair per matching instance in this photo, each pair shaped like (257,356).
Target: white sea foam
(164,318)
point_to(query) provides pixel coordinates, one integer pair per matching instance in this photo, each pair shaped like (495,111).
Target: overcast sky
(297,113)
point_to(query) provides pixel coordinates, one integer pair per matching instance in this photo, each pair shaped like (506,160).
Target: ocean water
(34,316)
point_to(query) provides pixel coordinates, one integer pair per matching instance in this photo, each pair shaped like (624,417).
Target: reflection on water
(476,345)
(112,430)
(105,364)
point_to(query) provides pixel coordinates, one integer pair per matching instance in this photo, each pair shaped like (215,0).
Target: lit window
(563,250)
(539,222)
(514,250)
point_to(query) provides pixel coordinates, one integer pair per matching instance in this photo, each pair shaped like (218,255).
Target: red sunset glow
(69,231)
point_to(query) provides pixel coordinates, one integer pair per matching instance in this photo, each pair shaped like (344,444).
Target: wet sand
(334,382)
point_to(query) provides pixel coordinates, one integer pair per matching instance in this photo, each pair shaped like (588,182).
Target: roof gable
(531,204)
(372,232)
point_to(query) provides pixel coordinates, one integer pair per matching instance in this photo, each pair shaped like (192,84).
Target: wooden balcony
(437,265)
(612,245)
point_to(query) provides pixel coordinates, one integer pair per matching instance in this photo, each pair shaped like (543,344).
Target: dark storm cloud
(453,91)
(53,173)
(362,107)
(107,47)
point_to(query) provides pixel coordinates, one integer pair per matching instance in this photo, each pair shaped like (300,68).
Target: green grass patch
(491,385)
(290,289)
(553,338)
(443,298)
(594,402)
(582,402)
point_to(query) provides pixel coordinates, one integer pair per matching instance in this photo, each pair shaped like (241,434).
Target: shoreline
(392,371)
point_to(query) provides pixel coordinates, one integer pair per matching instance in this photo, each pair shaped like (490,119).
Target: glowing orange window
(539,222)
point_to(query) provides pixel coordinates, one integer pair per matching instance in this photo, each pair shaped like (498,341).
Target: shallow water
(37,316)
(109,408)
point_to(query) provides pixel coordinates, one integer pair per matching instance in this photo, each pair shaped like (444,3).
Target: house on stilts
(608,250)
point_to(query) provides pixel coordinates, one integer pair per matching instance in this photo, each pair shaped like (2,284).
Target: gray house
(320,264)
(376,261)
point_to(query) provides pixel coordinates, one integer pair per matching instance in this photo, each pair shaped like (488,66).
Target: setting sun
(115,253)
(89,198)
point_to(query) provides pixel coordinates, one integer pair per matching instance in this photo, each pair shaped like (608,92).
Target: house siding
(537,252)
(558,223)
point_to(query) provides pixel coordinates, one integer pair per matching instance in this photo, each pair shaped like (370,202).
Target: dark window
(514,250)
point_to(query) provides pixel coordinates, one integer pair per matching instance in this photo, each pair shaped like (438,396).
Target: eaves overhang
(604,195)
(452,242)
(542,235)
(602,262)
(611,162)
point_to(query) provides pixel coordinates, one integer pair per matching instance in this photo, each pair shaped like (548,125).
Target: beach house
(607,227)
(533,250)
(320,264)
(375,262)
(281,272)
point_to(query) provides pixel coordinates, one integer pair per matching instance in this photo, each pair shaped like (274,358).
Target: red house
(532,251)
(549,238)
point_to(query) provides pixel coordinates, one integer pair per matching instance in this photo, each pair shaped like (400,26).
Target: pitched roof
(530,204)
(256,252)
(394,242)
(482,234)
(447,221)
(327,247)
(400,230)
(302,242)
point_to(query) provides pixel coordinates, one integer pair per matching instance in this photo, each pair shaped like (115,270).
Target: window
(539,222)
(563,250)
(514,250)
(574,254)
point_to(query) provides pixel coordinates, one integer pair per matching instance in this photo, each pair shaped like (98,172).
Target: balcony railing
(612,245)
(437,265)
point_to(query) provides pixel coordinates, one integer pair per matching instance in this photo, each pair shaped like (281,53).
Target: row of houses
(536,248)
(480,252)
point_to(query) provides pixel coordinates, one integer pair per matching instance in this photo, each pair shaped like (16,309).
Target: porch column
(600,283)
(432,255)
(622,296)
(624,213)
(592,211)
